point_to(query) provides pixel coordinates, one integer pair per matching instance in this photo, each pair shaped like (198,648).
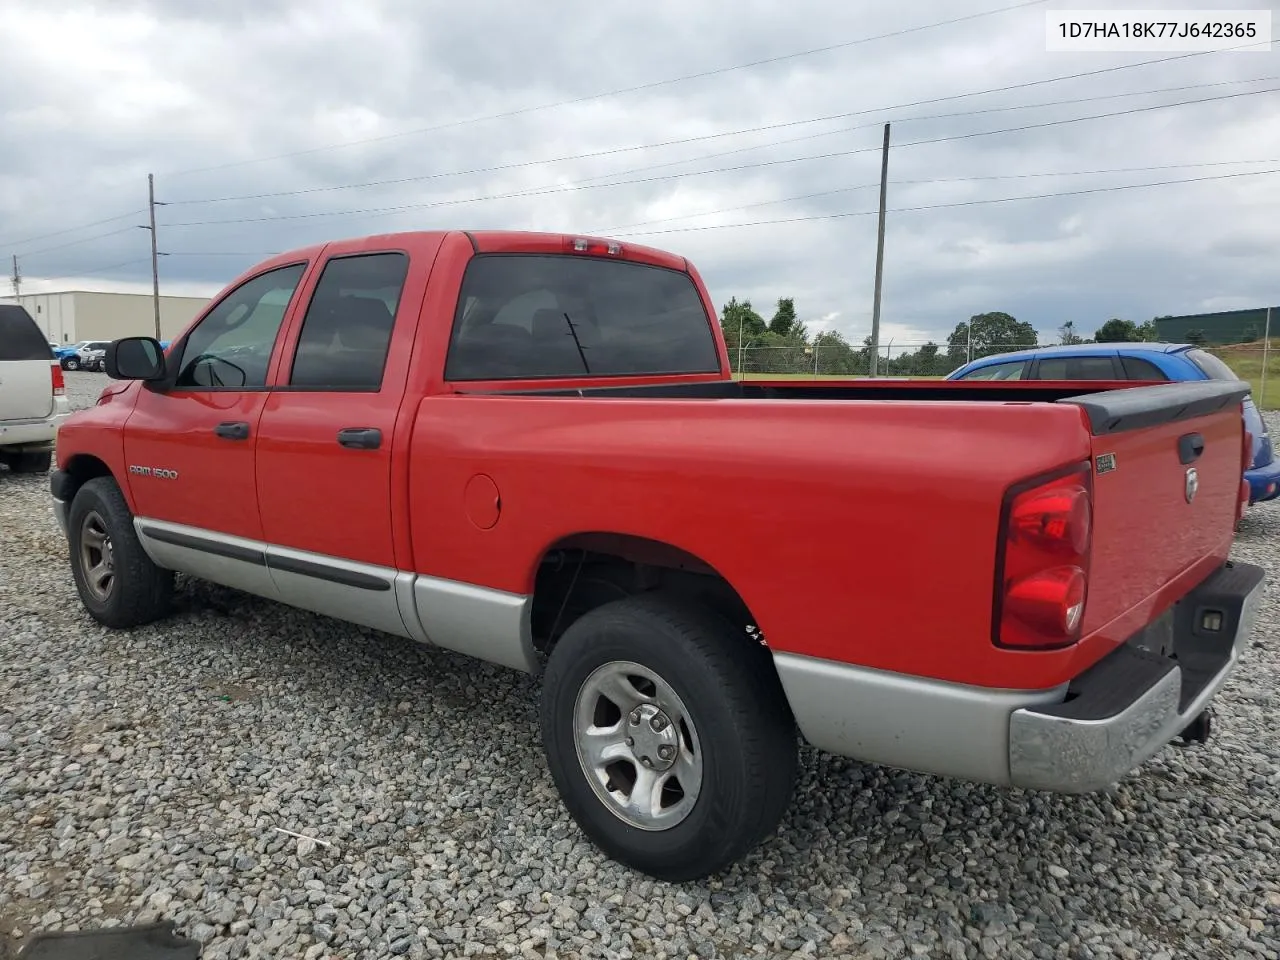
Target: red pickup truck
(528,448)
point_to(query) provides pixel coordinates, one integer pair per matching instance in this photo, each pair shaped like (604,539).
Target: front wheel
(668,736)
(118,583)
(71,363)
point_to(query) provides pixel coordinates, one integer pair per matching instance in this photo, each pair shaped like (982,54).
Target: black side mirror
(135,358)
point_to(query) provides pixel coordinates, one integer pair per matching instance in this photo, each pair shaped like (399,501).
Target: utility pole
(875,308)
(155,257)
(1266,357)
(16,279)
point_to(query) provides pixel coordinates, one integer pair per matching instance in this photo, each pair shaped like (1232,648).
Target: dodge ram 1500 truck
(529,448)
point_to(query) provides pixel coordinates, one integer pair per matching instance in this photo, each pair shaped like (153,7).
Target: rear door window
(1135,368)
(20,337)
(526,316)
(1077,368)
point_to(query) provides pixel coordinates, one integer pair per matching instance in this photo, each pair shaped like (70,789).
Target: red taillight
(59,382)
(1043,576)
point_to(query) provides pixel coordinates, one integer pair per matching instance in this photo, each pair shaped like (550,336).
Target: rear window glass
(1212,367)
(533,316)
(1076,368)
(20,338)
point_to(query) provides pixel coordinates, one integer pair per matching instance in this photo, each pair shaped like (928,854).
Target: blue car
(1134,361)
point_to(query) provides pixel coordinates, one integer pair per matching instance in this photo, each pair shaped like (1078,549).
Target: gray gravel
(145,775)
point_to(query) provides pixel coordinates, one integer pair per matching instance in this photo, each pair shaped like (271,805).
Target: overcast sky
(266,99)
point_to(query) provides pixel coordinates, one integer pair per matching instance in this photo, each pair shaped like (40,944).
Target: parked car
(529,448)
(33,401)
(90,355)
(1146,362)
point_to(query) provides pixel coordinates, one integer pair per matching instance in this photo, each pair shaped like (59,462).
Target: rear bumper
(1075,738)
(34,435)
(1125,708)
(1264,482)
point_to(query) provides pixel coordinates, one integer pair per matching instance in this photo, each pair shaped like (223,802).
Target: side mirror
(134,358)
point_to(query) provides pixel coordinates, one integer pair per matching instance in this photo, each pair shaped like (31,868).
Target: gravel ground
(148,774)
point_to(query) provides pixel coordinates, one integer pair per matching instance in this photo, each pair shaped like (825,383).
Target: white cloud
(98,95)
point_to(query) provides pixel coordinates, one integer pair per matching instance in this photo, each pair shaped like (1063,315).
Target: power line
(930,101)
(587,184)
(934,180)
(400,181)
(59,233)
(651,85)
(92,272)
(947,206)
(62,246)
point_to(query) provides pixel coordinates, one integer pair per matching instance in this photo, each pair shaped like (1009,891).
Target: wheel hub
(652,737)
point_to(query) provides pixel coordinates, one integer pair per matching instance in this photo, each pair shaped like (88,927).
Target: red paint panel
(836,554)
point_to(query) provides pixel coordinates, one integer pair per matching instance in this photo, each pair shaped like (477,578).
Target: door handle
(232,430)
(360,438)
(1190,446)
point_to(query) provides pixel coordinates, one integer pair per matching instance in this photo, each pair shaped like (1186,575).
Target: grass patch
(1245,360)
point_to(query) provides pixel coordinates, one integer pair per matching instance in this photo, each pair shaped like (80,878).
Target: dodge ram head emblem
(1193,483)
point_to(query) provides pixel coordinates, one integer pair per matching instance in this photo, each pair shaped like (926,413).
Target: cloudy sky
(270,124)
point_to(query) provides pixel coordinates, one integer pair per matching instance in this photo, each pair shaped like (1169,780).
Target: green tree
(992,333)
(1116,330)
(784,318)
(741,327)
(1250,334)
(1067,334)
(1147,331)
(1196,336)
(834,355)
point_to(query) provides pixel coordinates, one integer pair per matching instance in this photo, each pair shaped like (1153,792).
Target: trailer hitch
(1199,729)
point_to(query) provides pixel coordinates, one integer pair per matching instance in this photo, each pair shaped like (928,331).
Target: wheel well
(582,572)
(79,470)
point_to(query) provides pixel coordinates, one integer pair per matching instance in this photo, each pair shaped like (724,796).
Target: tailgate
(26,389)
(1168,464)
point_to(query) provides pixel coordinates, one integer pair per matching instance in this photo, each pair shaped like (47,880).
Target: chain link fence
(1256,362)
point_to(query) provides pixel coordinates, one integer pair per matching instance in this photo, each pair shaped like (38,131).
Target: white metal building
(74,315)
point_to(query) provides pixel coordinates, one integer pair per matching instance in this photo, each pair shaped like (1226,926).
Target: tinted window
(1138,369)
(998,371)
(1213,367)
(345,334)
(20,338)
(1077,368)
(231,346)
(522,316)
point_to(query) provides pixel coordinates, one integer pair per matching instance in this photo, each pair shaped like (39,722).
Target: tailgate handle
(1190,446)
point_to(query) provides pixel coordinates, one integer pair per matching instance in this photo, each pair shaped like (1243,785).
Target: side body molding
(491,625)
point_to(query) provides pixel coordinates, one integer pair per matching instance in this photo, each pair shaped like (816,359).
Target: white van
(33,395)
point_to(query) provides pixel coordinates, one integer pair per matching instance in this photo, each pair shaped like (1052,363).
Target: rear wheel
(668,736)
(117,582)
(38,462)
(71,363)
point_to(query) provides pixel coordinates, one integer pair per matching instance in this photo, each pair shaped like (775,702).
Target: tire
(71,363)
(725,728)
(37,462)
(132,590)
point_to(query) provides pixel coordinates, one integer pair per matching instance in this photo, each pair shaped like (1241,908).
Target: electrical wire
(72,243)
(586,184)
(934,180)
(651,85)
(400,181)
(948,206)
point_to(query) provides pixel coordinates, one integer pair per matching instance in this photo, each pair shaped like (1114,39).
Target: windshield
(539,316)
